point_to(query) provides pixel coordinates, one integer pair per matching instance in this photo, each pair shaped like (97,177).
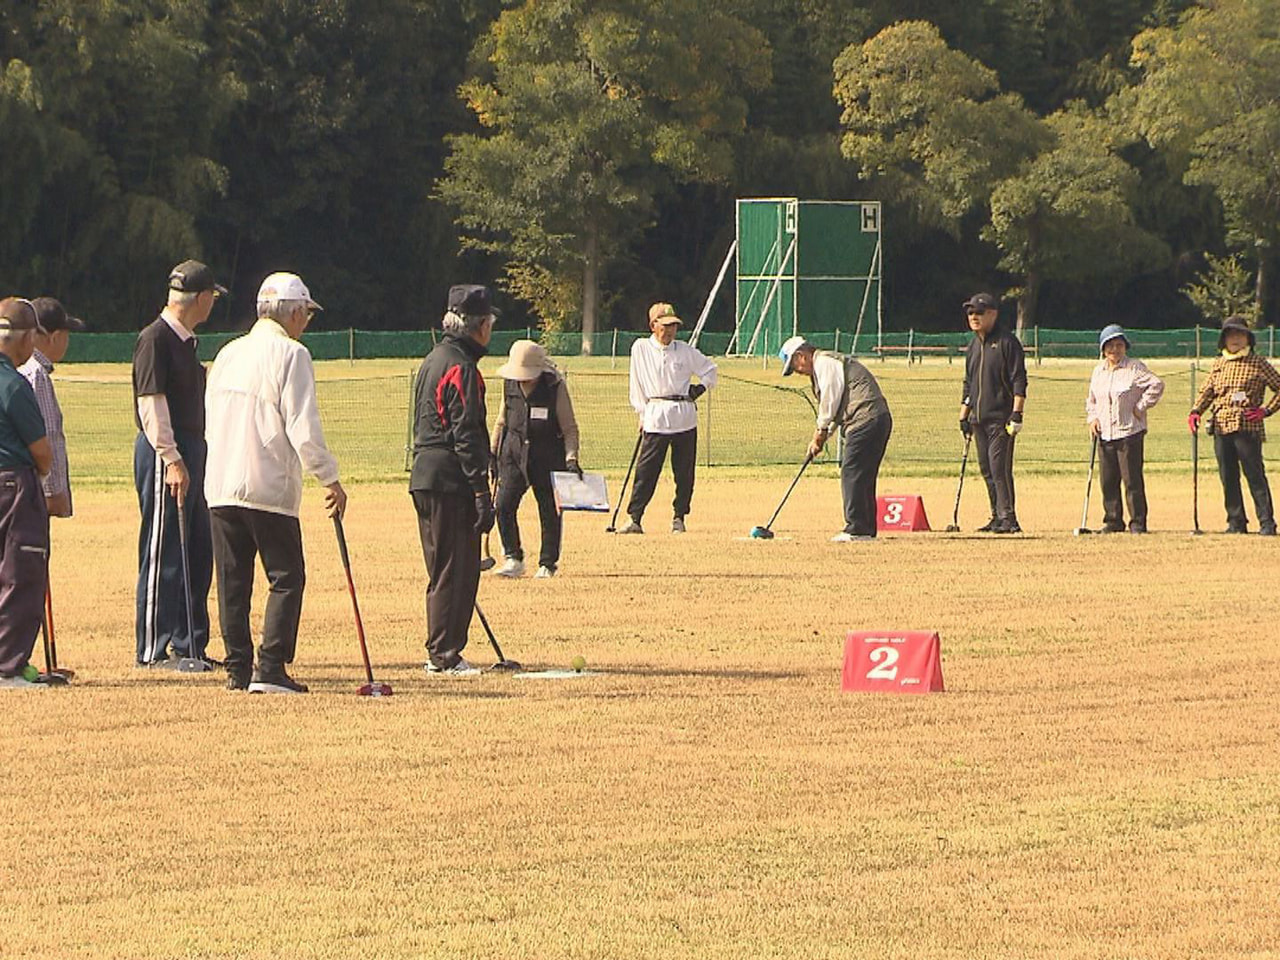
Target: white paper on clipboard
(587,493)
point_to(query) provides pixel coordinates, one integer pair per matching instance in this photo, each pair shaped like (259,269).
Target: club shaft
(807,460)
(1195,481)
(493,641)
(351,589)
(186,579)
(48,618)
(613,524)
(964,463)
(1088,489)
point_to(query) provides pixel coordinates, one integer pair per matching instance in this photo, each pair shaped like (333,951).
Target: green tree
(1210,96)
(932,124)
(1226,289)
(589,111)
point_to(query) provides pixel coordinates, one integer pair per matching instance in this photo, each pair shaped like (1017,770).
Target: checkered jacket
(1232,387)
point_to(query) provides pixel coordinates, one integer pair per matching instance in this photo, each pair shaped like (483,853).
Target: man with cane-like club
(663,396)
(169,457)
(264,430)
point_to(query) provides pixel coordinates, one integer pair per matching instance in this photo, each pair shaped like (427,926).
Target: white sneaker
(21,683)
(843,537)
(460,669)
(545,573)
(512,569)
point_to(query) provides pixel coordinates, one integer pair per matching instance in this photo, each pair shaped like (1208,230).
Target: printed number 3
(884,659)
(893,513)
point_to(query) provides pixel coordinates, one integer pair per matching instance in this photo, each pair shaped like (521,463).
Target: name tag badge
(1239,397)
(538,413)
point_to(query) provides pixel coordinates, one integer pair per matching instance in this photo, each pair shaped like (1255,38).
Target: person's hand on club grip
(817,443)
(1255,414)
(1193,422)
(335,501)
(1095,428)
(571,464)
(966,426)
(493,469)
(178,481)
(484,512)
(696,390)
(1014,426)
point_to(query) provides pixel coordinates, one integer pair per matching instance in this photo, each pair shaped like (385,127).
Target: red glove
(1255,414)
(1193,422)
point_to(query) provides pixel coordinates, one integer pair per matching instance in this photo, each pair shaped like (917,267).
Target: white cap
(788,351)
(286,286)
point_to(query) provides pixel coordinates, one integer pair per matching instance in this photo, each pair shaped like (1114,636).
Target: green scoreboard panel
(805,266)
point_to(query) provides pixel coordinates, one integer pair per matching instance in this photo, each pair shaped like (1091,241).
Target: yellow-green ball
(579,664)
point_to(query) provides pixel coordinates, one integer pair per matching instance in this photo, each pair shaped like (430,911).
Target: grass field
(1098,781)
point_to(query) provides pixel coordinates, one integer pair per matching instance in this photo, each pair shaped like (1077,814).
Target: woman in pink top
(1121,392)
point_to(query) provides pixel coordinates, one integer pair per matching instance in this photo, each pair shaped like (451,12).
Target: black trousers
(512,484)
(653,451)
(1243,451)
(160,623)
(995,460)
(24,565)
(1121,460)
(240,537)
(864,448)
(451,551)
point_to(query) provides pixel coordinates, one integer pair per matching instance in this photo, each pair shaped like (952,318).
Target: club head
(1197,532)
(52,679)
(488,563)
(192,665)
(611,529)
(375,689)
(66,672)
(506,666)
(951,528)
(761,533)
(1080,531)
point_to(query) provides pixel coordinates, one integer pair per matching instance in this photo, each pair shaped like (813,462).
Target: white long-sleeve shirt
(262,423)
(657,372)
(1120,396)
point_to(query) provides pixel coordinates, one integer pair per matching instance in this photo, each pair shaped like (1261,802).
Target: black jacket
(995,371)
(450,424)
(525,438)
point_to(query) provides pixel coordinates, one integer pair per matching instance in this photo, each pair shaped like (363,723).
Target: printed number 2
(884,659)
(893,513)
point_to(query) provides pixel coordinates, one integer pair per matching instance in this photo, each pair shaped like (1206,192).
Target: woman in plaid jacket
(1232,397)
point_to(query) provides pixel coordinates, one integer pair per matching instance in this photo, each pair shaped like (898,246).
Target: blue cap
(1110,332)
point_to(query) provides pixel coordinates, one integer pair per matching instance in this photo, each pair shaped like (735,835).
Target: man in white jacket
(263,428)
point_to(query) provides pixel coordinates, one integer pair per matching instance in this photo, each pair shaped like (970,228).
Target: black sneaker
(275,681)
(1113,528)
(989,526)
(1137,528)
(1007,526)
(1267,530)
(238,679)
(1234,529)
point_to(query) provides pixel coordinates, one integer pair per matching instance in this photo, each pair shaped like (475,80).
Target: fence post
(1197,343)
(1036,335)
(408,433)
(613,350)
(351,345)
(911,340)
(836,348)
(1271,341)
(707,396)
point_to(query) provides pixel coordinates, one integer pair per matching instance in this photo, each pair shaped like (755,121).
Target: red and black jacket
(450,427)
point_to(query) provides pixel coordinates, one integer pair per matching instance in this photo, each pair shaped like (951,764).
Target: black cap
(471,300)
(192,276)
(1239,324)
(52,316)
(17,314)
(982,301)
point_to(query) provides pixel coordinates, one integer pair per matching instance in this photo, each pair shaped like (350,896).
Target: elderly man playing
(663,397)
(849,400)
(264,430)
(449,484)
(169,456)
(53,335)
(25,456)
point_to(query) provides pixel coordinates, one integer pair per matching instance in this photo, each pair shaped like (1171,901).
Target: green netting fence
(1041,342)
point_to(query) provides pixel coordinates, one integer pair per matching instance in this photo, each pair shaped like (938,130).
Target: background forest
(1094,160)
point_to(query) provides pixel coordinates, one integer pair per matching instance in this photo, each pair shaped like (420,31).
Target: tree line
(1093,160)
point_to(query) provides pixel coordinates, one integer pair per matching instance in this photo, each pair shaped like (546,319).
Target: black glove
(696,390)
(484,512)
(572,466)
(966,426)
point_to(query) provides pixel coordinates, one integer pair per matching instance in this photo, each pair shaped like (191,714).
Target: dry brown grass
(1099,781)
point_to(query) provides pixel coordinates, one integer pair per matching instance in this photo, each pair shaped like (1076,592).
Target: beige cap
(664,313)
(526,361)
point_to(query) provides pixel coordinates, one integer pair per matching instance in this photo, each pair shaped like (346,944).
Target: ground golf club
(954,525)
(1195,484)
(503,664)
(613,524)
(192,663)
(53,638)
(50,676)
(766,532)
(1088,489)
(371,687)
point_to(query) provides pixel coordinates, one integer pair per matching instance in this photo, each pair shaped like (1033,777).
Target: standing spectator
(1232,396)
(849,400)
(169,456)
(536,433)
(53,335)
(263,430)
(995,391)
(449,483)
(1121,392)
(663,397)
(26,455)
